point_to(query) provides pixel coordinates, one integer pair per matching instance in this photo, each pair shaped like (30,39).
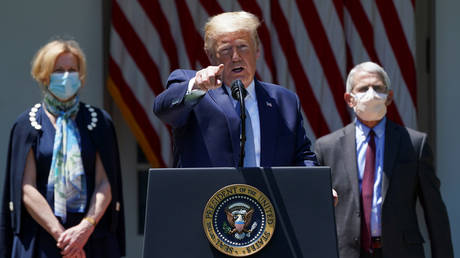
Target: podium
(301,198)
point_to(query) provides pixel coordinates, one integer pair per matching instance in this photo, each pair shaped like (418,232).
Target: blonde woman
(62,194)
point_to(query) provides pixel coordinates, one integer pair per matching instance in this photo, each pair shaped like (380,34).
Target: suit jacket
(408,175)
(206,132)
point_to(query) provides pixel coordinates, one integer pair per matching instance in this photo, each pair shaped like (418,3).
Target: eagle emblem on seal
(239,220)
(239,216)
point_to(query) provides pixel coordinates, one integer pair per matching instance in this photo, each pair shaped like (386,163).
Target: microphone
(239,93)
(238,89)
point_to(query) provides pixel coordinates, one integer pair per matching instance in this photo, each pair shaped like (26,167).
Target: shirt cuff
(192,96)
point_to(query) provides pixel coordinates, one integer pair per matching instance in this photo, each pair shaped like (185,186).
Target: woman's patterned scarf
(66,181)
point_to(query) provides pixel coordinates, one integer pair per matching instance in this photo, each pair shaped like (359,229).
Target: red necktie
(367,189)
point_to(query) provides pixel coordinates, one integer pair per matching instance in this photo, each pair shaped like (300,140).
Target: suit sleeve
(170,106)
(433,206)
(317,149)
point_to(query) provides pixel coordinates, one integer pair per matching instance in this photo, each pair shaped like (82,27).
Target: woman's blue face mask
(64,85)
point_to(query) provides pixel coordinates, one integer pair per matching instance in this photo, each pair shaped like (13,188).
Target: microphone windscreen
(235,87)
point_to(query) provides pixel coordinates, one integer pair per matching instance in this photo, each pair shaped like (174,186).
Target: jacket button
(358,214)
(11,206)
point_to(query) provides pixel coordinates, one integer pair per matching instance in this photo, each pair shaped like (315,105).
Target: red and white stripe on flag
(308,46)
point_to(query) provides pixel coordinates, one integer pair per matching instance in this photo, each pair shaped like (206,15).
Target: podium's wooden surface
(301,196)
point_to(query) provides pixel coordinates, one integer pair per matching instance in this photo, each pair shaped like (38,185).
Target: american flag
(308,46)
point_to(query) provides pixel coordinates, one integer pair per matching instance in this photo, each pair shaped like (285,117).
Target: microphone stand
(237,93)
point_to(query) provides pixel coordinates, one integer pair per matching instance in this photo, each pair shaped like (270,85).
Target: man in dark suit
(203,114)
(379,170)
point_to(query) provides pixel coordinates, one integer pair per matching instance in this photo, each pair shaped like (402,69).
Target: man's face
(238,53)
(365,80)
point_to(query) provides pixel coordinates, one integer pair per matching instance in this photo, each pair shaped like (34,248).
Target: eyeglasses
(377,88)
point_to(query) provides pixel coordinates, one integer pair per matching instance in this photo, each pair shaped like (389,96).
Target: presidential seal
(239,220)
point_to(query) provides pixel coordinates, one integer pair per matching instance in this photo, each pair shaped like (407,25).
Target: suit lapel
(348,144)
(392,139)
(222,99)
(268,112)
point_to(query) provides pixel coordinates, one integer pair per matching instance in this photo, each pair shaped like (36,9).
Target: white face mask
(369,105)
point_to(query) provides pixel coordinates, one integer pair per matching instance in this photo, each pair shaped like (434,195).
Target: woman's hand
(79,254)
(74,239)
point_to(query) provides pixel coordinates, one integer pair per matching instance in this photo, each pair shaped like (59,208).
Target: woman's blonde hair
(45,59)
(227,23)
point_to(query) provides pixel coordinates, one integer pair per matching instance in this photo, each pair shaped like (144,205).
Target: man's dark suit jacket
(408,175)
(206,133)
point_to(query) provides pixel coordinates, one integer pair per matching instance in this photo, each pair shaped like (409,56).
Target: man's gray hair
(369,67)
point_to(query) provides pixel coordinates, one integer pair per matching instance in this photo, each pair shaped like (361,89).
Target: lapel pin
(268,104)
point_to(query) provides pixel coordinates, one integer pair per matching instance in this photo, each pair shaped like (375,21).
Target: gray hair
(368,67)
